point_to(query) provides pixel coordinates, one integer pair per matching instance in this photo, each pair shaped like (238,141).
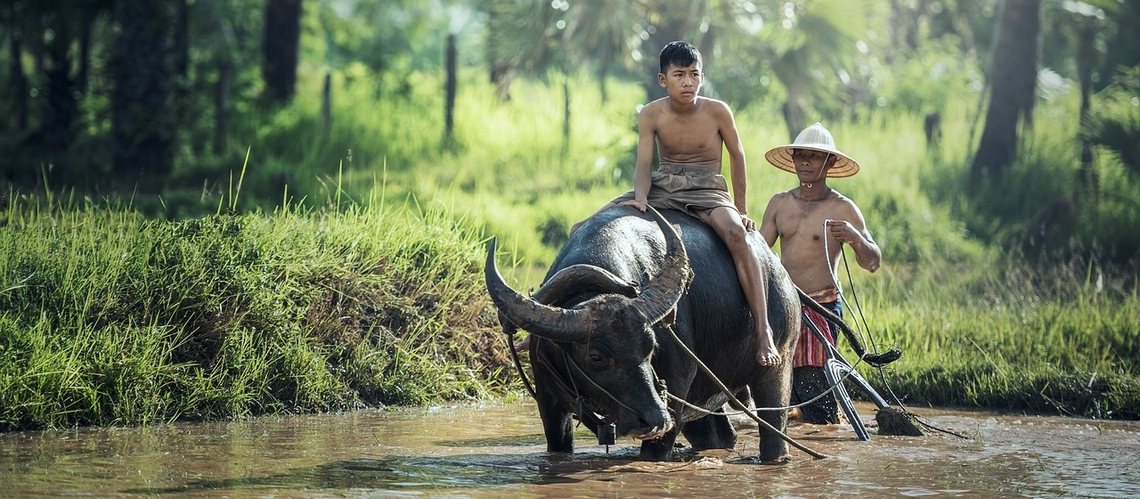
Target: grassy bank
(107,318)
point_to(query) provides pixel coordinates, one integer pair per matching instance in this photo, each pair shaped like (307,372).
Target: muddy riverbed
(497,450)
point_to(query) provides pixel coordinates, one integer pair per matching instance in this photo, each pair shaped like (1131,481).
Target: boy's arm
(736,162)
(642,175)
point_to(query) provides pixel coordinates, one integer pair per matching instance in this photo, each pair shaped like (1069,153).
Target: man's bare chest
(802,222)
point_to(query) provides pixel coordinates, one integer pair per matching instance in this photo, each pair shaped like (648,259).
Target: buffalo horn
(580,278)
(558,324)
(666,288)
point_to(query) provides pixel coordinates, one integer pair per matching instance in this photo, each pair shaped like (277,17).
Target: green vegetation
(222,247)
(369,291)
(1061,339)
(110,318)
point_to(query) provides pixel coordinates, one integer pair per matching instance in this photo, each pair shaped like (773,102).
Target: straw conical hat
(816,138)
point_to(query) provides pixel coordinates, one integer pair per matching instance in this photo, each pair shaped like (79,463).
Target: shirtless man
(690,133)
(813,222)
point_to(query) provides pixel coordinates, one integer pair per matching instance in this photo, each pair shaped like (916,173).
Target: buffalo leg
(557,423)
(559,429)
(710,432)
(773,448)
(659,449)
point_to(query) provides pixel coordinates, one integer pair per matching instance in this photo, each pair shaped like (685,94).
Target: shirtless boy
(690,133)
(813,222)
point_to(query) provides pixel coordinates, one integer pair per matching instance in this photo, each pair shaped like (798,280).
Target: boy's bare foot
(766,353)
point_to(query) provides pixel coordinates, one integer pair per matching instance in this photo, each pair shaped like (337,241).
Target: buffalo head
(600,336)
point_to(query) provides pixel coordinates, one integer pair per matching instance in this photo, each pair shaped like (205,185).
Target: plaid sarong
(809,351)
(685,188)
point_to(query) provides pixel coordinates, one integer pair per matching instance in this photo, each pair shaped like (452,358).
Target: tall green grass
(1008,338)
(109,318)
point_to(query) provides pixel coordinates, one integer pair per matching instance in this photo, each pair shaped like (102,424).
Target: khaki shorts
(689,189)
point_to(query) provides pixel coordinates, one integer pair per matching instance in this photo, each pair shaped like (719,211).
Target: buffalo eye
(597,358)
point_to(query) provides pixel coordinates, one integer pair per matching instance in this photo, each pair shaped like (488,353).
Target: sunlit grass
(109,318)
(996,340)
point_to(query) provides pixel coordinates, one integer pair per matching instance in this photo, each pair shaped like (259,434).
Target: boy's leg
(727,224)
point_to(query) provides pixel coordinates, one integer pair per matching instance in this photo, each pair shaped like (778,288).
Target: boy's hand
(749,224)
(636,204)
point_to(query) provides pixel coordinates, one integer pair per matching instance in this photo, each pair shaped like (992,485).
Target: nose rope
(572,387)
(570,361)
(518,363)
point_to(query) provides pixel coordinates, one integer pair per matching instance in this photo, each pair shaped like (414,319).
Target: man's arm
(768,223)
(855,233)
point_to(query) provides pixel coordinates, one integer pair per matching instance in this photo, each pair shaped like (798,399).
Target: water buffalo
(601,350)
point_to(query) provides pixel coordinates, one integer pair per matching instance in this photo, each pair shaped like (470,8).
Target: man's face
(683,83)
(812,165)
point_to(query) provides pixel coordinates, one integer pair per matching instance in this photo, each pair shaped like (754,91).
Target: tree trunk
(1013,85)
(19,79)
(452,88)
(183,100)
(894,28)
(326,108)
(182,40)
(228,57)
(82,78)
(142,99)
(1086,61)
(282,38)
(565,113)
(604,72)
(221,106)
(57,130)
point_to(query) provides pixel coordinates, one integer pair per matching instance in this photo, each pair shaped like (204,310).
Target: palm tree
(805,45)
(520,38)
(810,45)
(601,32)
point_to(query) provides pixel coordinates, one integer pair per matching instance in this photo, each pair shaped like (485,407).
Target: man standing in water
(813,222)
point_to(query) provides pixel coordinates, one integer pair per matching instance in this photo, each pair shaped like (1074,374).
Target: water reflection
(495,450)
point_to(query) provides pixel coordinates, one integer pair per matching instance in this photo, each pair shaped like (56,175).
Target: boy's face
(683,83)
(812,165)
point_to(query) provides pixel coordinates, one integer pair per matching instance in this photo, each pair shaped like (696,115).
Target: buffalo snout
(645,426)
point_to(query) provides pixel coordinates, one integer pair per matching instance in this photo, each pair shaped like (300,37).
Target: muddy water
(497,450)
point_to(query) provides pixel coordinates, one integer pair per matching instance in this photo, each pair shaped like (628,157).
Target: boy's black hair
(680,53)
